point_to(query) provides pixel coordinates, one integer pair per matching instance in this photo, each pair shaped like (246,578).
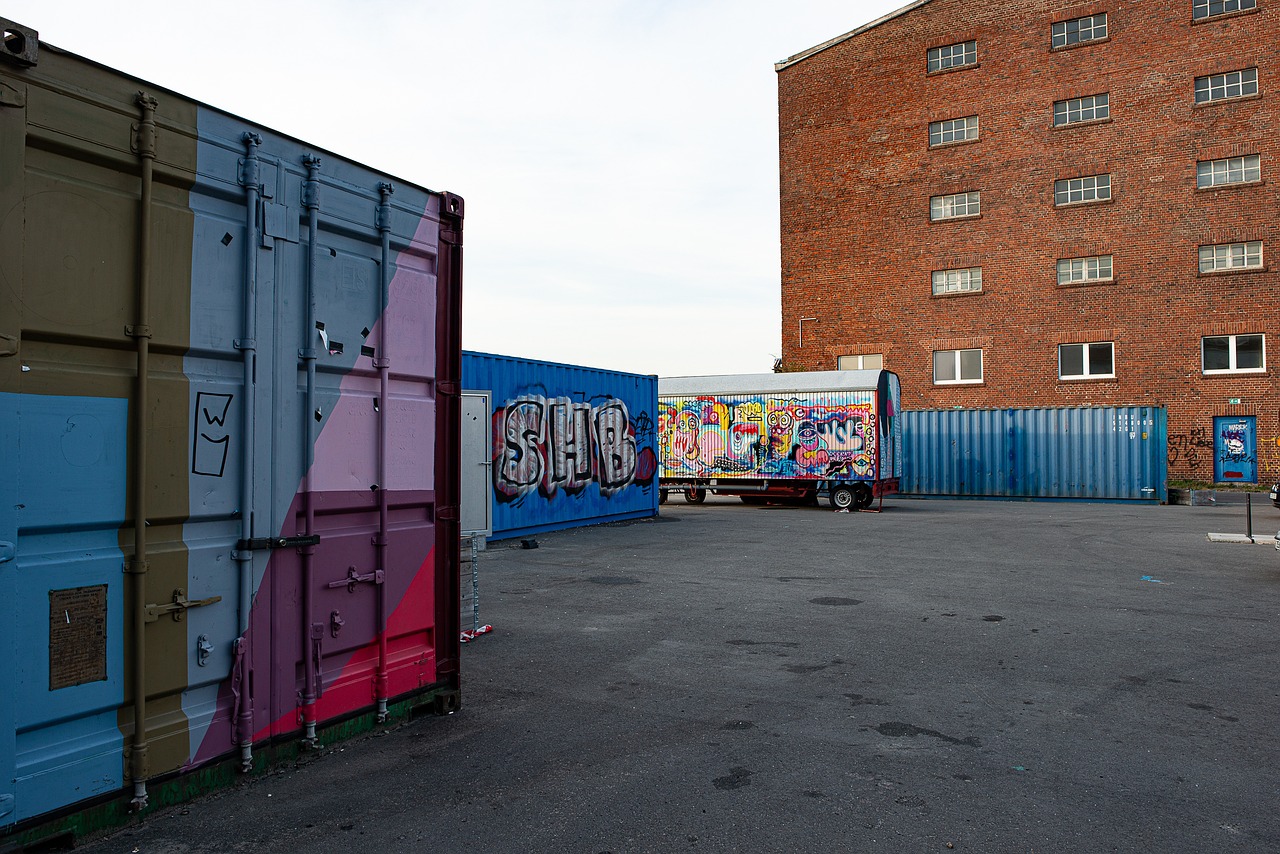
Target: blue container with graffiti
(1102,453)
(571,445)
(1235,449)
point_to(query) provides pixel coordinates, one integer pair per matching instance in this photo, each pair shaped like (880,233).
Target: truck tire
(695,495)
(662,496)
(841,498)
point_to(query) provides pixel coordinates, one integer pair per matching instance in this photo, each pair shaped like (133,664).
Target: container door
(1235,449)
(477,483)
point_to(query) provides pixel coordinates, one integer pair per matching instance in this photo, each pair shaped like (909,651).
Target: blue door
(1235,449)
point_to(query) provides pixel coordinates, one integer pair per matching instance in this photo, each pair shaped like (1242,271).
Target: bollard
(1248,515)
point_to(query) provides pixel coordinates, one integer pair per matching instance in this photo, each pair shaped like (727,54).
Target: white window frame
(1088,108)
(961,280)
(955,206)
(945,58)
(1220,257)
(1082,190)
(1232,351)
(1085,353)
(1246,169)
(1090,28)
(957,367)
(1204,9)
(1089,268)
(948,131)
(859,362)
(1226,86)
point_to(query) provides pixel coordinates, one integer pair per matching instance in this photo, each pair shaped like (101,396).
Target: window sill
(953,143)
(955,294)
(1236,186)
(1089,43)
(1074,380)
(1218,102)
(1088,203)
(1235,375)
(1239,271)
(952,69)
(1208,19)
(961,383)
(1086,283)
(964,218)
(1083,124)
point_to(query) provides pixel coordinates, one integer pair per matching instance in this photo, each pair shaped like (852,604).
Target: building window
(952,367)
(1231,256)
(957,281)
(955,206)
(953,56)
(1233,84)
(1087,109)
(1096,268)
(1090,188)
(953,130)
(1086,29)
(1086,361)
(863,362)
(1229,170)
(1210,8)
(1233,354)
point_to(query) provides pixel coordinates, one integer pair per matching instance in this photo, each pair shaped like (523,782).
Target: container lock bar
(257,543)
(354,577)
(178,607)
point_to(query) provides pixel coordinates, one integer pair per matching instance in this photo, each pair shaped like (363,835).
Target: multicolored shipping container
(229,377)
(786,436)
(1100,453)
(571,445)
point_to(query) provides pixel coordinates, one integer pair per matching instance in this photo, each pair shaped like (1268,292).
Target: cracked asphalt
(945,675)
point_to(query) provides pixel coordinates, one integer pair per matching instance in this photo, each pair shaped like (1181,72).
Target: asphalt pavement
(944,675)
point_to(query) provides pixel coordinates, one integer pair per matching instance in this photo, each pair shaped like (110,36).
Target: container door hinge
(8,345)
(178,607)
(7,552)
(6,804)
(11,97)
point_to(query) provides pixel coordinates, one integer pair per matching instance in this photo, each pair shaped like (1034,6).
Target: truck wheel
(864,497)
(841,497)
(695,496)
(662,496)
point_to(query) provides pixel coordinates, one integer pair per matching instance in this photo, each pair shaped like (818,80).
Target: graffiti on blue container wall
(551,445)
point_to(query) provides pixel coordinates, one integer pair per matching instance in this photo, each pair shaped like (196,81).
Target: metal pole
(1248,515)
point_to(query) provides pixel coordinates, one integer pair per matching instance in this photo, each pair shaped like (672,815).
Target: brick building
(1044,204)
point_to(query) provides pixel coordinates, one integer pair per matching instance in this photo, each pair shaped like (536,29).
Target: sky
(618,158)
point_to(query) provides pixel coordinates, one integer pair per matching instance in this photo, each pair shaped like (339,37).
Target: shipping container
(571,445)
(1099,453)
(229,376)
(792,436)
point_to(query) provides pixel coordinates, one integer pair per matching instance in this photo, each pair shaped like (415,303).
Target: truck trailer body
(229,376)
(789,436)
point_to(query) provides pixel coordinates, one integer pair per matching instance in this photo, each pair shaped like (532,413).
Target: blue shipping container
(1110,453)
(571,445)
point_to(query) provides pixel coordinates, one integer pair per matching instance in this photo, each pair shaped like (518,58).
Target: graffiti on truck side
(553,445)
(762,435)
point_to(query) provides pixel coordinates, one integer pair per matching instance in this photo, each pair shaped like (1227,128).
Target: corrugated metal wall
(572,445)
(281,499)
(1099,453)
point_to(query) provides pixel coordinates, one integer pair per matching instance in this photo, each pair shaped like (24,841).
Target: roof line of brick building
(805,54)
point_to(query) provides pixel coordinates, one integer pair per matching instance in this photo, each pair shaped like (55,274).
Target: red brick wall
(858,247)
